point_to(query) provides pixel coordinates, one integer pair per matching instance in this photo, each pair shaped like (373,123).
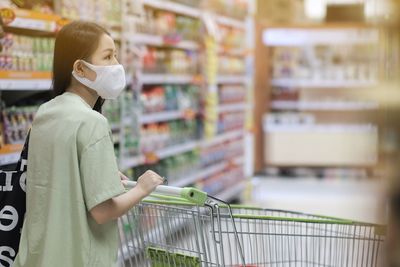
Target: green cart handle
(191,194)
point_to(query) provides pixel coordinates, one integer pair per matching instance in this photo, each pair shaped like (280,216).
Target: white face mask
(110,80)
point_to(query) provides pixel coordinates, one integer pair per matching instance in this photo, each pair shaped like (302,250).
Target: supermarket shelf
(10,158)
(322,83)
(162,116)
(231,22)
(236,52)
(240,78)
(232,107)
(157,40)
(206,172)
(181,148)
(221,138)
(31,20)
(167,79)
(324,105)
(318,36)
(175,150)
(232,192)
(173,7)
(25,80)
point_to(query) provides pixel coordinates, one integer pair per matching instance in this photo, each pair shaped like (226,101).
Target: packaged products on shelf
(229,93)
(231,65)
(341,62)
(218,153)
(25,53)
(231,8)
(183,165)
(169,98)
(101,11)
(230,121)
(231,38)
(221,181)
(112,111)
(158,60)
(16,122)
(160,135)
(171,26)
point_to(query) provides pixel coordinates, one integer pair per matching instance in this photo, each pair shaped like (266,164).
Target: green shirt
(71,169)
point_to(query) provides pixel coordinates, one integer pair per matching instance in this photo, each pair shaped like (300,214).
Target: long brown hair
(76,40)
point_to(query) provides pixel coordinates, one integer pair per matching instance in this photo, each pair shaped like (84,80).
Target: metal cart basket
(170,231)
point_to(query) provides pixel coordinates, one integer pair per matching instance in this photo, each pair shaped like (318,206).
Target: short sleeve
(99,173)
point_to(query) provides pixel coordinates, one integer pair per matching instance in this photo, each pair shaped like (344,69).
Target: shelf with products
(168,102)
(308,83)
(329,72)
(231,22)
(232,107)
(324,105)
(166,116)
(168,78)
(224,183)
(320,34)
(204,172)
(37,81)
(233,78)
(103,12)
(163,41)
(174,7)
(31,20)
(179,148)
(14,125)
(191,164)
(26,62)
(170,61)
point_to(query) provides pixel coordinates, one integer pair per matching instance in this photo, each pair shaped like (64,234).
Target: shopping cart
(195,230)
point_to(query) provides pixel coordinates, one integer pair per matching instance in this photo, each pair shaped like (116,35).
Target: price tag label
(8,15)
(151,158)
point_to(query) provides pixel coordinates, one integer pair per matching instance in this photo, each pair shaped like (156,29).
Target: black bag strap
(24,154)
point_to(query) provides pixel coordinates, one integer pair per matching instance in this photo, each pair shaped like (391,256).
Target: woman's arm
(116,207)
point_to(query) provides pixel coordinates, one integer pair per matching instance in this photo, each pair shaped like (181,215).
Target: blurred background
(286,104)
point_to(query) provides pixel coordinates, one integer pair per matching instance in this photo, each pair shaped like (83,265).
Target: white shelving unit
(206,172)
(308,83)
(156,40)
(166,79)
(181,148)
(324,105)
(174,7)
(231,79)
(232,107)
(26,85)
(162,116)
(231,22)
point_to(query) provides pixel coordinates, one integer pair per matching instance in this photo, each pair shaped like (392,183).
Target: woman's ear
(78,68)
(83,71)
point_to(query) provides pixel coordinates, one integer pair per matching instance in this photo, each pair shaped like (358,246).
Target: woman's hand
(124,179)
(149,181)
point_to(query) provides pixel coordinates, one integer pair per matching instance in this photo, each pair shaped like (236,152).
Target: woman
(74,191)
